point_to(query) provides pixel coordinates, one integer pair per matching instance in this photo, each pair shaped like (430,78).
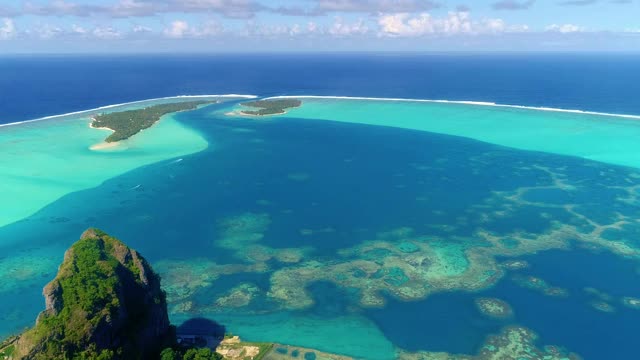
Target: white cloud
(374,6)
(209,28)
(518,28)
(456,23)
(565,28)
(177,29)
(495,25)
(228,8)
(129,8)
(255,29)
(47,31)
(106,33)
(7,29)
(405,24)
(140,8)
(272,30)
(338,28)
(181,29)
(139,29)
(58,8)
(295,30)
(342,28)
(76,29)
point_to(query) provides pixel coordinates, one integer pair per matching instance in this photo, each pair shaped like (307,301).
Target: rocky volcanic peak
(105,303)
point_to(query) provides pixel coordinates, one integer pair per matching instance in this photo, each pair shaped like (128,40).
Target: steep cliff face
(105,303)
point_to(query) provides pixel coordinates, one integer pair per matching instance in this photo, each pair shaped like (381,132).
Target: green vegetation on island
(127,123)
(8,347)
(106,303)
(270,107)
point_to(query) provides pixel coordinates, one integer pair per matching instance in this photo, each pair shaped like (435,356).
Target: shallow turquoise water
(603,138)
(322,200)
(44,160)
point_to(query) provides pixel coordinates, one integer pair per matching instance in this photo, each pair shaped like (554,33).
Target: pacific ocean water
(354,180)
(33,87)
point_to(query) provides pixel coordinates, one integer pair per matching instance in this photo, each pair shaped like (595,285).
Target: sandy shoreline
(89,111)
(110,145)
(102,145)
(98,128)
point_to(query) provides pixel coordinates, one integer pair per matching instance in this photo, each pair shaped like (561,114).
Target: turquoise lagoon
(596,136)
(361,227)
(45,159)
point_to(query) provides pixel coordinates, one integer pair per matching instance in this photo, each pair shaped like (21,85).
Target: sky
(135,26)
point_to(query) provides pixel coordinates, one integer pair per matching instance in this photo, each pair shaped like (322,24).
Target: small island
(125,124)
(270,107)
(106,303)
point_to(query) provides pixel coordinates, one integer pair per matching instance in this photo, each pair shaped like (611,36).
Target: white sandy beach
(102,145)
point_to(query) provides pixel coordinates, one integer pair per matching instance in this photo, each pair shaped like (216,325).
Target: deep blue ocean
(359,188)
(61,84)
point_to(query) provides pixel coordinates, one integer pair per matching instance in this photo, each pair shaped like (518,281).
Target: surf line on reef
(51,117)
(461,102)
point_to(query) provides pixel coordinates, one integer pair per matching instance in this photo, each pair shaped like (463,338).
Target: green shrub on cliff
(105,303)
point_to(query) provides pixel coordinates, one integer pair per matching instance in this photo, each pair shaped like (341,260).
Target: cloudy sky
(318,25)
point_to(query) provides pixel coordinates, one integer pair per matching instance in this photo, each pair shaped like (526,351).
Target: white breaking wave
(463,102)
(130,103)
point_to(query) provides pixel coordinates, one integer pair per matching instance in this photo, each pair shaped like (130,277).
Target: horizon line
(328,52)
